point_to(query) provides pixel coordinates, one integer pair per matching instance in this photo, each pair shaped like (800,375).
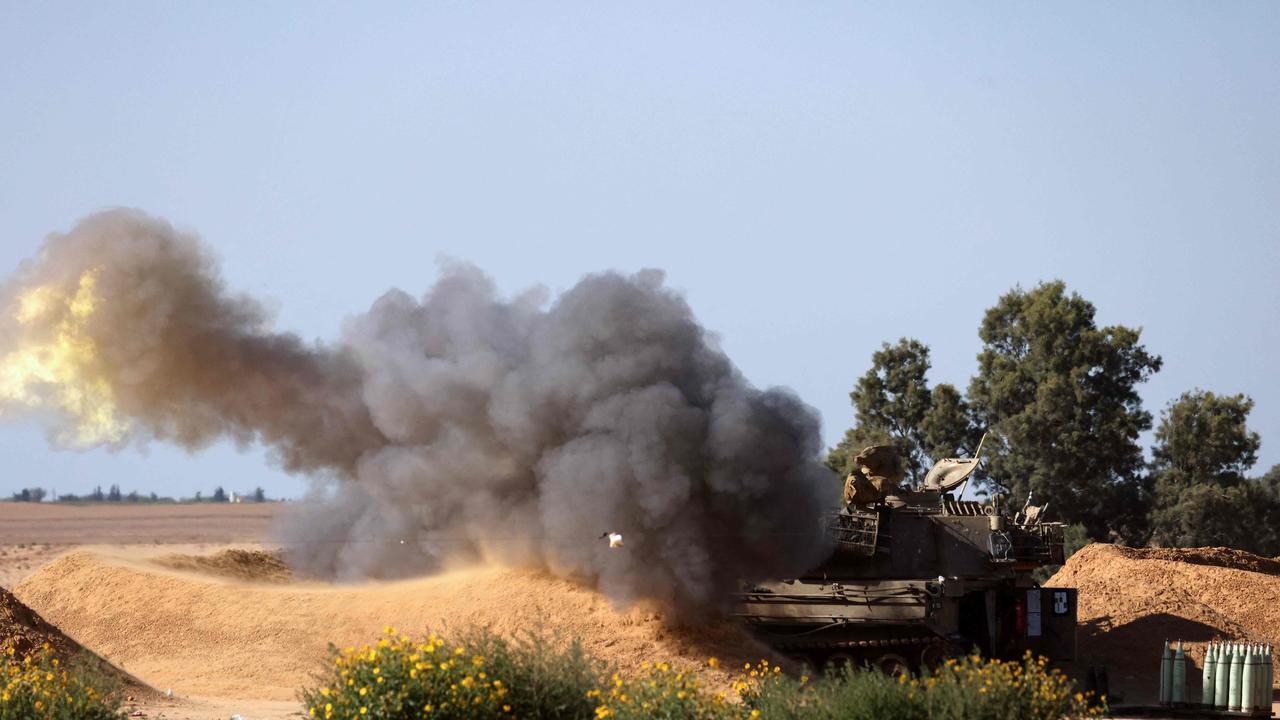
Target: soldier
(877,470)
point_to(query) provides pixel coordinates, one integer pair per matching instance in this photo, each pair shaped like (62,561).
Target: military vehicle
(919,575)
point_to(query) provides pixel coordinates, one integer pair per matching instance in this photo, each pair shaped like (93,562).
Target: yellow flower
(363,691)
(363,710)
(713,662)
(755,713)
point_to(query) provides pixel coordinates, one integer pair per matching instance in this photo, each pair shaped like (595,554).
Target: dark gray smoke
(461,425)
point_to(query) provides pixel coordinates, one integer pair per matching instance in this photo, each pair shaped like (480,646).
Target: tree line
(1058,398)
(113,494)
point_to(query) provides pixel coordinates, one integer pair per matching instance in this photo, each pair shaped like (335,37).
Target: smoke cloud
(457,426)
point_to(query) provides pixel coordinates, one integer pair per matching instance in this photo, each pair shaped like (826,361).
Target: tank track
(906,652)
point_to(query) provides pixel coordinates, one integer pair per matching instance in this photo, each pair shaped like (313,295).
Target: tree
(259,495)
(894,405)
(1270,483)
(1203,449)
(113,495)
(1059,395)
(1204,438)
(219,495)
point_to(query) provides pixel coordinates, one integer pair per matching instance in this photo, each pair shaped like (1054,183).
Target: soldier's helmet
(880,462)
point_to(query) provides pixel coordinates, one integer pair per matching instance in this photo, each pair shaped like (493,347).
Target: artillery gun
(919,576)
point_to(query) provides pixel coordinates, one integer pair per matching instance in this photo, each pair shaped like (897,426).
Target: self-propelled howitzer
(920,575)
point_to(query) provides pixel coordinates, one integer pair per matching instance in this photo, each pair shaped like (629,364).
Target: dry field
(182,598)
(34,534)
(31,534)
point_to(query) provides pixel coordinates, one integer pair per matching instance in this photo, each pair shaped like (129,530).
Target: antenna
(977,458)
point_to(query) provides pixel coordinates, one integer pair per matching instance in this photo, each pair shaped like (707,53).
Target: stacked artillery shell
(1178,688)
(1222,683)
(1262,677)
(1248,688)
(1208,675)
(1237,676)
(1166,674)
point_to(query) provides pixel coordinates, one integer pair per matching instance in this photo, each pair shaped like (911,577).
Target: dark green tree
(1270,483)
(893,405)
(1059,395)
(219,495)
(1203,449)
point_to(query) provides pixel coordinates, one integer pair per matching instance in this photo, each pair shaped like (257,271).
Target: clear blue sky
(816,177)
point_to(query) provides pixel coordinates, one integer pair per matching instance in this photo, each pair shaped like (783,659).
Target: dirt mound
(210,638)
(1132,600)
(246,565)
(1215,556)
(24,631)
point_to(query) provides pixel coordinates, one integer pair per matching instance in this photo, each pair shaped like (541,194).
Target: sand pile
(246,565)
(215,636)
(1132,600)
(24,631)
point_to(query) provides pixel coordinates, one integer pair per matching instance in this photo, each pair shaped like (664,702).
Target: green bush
(969,688)
(481,675)
(41,686)
(546,677)
(660,691)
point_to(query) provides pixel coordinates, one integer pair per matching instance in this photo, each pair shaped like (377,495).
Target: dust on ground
(248,565)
